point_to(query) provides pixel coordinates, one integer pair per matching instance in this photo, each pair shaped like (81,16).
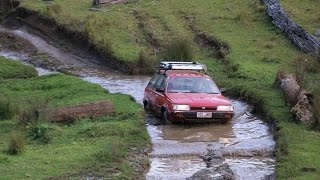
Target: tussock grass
(5,108)
(179,50)
(31,110)
(17,143)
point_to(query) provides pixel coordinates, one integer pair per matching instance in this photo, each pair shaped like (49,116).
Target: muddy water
(246,142)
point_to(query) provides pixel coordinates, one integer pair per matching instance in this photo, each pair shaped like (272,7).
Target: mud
(245,143)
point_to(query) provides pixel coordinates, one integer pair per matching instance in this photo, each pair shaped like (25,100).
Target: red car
(179,91)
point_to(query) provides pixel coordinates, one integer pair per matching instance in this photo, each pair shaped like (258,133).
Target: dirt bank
(63,36)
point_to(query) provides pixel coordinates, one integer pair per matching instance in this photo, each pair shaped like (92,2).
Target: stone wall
(305,41)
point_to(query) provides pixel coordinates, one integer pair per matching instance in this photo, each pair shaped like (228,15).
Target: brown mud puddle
(246,142)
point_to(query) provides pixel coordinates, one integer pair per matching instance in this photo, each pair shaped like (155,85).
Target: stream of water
(176,148)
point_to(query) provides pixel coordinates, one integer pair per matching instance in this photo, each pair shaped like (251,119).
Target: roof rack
(170,65)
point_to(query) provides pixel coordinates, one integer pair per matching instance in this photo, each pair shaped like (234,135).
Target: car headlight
(225,108)
(181,107)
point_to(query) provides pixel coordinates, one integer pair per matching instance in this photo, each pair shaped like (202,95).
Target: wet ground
(245,142)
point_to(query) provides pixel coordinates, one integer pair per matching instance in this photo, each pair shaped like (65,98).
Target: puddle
(177,148)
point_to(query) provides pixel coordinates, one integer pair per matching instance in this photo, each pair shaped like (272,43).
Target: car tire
(146,106)
(164,117)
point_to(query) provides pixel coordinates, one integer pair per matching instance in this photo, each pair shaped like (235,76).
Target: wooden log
(70,113)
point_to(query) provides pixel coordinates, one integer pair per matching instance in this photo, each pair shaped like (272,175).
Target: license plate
(204,114)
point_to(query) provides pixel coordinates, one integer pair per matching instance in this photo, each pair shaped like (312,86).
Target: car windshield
(192,85)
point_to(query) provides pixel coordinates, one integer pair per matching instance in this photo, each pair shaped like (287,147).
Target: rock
(218,172)
(317,33)
(214,157)
(303,109)
(291,89)
(270,177)
(305,41)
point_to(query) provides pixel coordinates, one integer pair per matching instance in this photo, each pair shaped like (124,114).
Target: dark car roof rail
(171,65)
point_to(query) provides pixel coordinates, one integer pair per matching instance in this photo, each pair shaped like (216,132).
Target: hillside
(236,39)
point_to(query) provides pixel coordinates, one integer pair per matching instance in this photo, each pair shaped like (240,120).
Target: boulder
(218,172)
(214,157)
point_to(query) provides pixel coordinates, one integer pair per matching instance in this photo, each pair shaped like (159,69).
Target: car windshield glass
(192,85)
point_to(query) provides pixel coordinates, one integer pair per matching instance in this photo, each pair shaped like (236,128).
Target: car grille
(203,108)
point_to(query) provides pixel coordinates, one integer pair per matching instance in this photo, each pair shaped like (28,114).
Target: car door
(159,96)
(150,90)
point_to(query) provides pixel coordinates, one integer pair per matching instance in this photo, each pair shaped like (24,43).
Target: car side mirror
(159,90)
(223,90)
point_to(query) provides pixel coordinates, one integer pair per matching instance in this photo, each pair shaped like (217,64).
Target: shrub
(42,132)
(32,110)
(179,50)
(17,143)
(316,109)
(301,65)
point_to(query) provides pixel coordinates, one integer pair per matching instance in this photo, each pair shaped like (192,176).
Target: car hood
(198,99)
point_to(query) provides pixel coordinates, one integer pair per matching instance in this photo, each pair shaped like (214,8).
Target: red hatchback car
(180,92)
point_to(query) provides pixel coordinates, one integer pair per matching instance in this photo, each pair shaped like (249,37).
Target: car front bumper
(192,116)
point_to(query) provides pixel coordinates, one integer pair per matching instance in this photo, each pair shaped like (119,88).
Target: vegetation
(179,50)
(316,108)
(13,69)
(66,151)
(16,143)
(257,49)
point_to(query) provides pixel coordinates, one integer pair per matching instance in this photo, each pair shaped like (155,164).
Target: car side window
(154,80)
(160,84)
(163,84)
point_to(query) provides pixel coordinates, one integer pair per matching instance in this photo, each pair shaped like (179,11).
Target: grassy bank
(99,147)
(13,69)
(255,51)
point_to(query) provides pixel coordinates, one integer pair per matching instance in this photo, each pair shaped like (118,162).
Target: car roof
(171,73)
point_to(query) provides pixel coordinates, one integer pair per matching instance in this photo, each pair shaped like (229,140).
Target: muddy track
(148,36)
(60,34)
(218,48)
(178,150)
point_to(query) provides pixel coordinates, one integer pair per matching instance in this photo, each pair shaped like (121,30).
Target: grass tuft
(5,108)
(179,50)
(17,143)
(32,110)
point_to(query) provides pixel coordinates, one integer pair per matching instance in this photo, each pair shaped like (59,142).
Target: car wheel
(146,106)
(164,117)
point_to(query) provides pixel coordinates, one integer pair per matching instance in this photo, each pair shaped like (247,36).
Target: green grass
(257,51)
(97,147)
(13,69)
(305,12)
